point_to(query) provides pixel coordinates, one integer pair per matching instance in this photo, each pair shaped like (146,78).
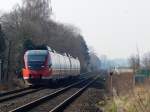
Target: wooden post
(133,78)
(111,83)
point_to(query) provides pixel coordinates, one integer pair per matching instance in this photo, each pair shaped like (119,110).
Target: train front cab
(37,67)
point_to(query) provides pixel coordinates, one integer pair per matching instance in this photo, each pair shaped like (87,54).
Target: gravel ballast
(89,99)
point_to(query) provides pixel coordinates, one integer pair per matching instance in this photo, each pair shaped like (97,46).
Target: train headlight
(42,66)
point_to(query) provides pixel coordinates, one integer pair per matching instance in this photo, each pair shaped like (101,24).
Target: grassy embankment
(133,99)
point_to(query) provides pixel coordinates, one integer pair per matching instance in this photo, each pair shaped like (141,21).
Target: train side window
(57,61)
(49,61)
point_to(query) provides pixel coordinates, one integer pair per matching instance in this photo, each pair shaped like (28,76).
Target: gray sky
(111,27)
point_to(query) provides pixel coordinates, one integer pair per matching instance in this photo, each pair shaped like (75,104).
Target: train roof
(43,50)
(37,52)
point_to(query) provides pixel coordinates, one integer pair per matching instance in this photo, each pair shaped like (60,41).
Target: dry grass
(125,97)
(137,100)
(3,87)
(14,84)
(122,82)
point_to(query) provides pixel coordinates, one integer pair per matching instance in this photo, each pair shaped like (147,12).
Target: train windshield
(36,59)
(40,58)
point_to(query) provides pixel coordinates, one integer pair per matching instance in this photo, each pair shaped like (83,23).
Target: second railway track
(15,99)
(27,97)
(14,95)
(50,101)
(14,91)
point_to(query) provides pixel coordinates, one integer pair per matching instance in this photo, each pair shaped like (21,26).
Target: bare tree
(95,62)
(134,62)
(30,24)
(146,61)
(37,9)
(2,41)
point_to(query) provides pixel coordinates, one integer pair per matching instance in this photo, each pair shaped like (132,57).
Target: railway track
(18,93)
(70,99)
(14,91)
(27,88)
(13,99)
(72,91)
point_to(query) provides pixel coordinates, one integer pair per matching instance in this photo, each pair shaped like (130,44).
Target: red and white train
(42,66)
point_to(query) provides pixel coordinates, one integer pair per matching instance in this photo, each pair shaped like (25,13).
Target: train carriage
(42,66)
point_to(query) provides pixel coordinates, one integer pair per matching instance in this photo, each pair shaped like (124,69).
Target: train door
(70,65)
(53,63)
(62,65)
(59,65)
(65,66)
(50,64)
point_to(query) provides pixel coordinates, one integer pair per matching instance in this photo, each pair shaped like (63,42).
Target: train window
(53,60)
(68,63)
(49,61)
(36,58)
(61,62)
(57,60)
(73,64)
(64,62)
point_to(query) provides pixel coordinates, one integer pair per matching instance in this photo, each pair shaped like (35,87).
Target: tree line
(30,24)
(136,62)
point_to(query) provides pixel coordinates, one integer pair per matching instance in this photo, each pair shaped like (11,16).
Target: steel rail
(19,95)
(23,89)
(14,91)
(69,100)
(34,103)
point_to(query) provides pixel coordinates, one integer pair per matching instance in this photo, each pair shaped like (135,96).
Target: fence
(141,76)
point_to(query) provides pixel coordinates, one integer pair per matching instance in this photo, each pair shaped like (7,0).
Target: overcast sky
(111,27)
